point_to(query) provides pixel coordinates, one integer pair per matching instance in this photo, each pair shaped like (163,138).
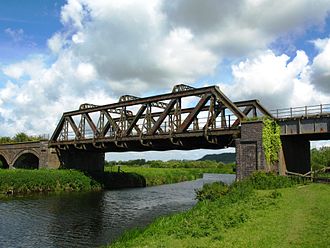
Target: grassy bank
(157,176)
(21,181)
(242,216)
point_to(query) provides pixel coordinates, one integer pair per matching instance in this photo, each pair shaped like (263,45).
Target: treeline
(20,137)
(320,158)
(168,164)
(226,158)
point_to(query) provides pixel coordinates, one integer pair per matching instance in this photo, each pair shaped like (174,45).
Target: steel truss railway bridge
(187,118)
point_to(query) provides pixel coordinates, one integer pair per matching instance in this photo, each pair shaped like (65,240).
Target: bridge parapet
(300,112)
(313,121)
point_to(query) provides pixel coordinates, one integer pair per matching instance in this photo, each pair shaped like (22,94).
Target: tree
(4,140)
(21,137)
(320,157)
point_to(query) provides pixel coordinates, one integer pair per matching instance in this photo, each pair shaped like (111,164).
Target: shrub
(211,191)
(242,189)
(262,180)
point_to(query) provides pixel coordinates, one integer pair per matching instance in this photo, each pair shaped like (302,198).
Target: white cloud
(276,81)
(45,92)
(320,76)
(109,48)
(30,68)
(240,27)
(56,43)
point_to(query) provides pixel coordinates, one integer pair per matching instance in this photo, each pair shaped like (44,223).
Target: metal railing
(301,111)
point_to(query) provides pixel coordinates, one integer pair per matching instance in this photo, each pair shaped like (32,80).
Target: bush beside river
(21,181)
(242,216)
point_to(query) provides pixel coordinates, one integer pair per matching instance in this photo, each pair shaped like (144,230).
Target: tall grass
(20,181)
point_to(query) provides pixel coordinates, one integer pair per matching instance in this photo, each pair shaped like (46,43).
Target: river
(91,219)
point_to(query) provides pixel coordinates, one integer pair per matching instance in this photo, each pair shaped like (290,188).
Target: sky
(57,54)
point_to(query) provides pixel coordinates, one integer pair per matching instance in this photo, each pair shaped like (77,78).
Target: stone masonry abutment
(250,155)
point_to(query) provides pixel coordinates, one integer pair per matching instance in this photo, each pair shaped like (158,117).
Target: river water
(91,219)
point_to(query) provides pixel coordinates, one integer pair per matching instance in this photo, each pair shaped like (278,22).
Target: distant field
(158,176)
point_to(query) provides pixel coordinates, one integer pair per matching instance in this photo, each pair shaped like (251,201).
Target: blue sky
(55,55)
(26,26)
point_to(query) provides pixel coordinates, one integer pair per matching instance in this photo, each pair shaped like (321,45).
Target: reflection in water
(82,215)
(89,219)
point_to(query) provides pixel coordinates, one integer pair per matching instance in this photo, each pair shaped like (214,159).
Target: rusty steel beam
(91,124)
(162,117)
(74,126)
(189,119)
(227,103)
(262,109)
(126,98)
(246,111)
(135,120)
(58,129)
(145,100)
(110,122)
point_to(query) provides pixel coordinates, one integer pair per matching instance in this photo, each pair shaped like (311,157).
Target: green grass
(289,217)
(300,219)
(22,181)
(158,176)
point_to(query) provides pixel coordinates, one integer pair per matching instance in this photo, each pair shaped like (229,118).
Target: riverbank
(244,217)
(20,181)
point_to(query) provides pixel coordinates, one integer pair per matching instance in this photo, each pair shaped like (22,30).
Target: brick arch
(18,155)
(5,158)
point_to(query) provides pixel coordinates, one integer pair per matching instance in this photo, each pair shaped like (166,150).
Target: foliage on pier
(271,139)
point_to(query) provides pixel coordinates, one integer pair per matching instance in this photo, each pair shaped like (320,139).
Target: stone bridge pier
(89,161)
(250,155)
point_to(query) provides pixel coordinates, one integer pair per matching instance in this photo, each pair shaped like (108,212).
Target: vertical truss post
(177,116)
(211,116)
(74,127)
(91,124)
(162,117)
(135,120)
(64,135)
(223,118)
(82,125)
(100,124)
(110,125)
(189,119)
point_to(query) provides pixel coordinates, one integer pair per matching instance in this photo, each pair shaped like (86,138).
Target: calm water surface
(91,219)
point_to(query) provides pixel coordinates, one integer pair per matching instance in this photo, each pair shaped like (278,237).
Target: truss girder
(156,117)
